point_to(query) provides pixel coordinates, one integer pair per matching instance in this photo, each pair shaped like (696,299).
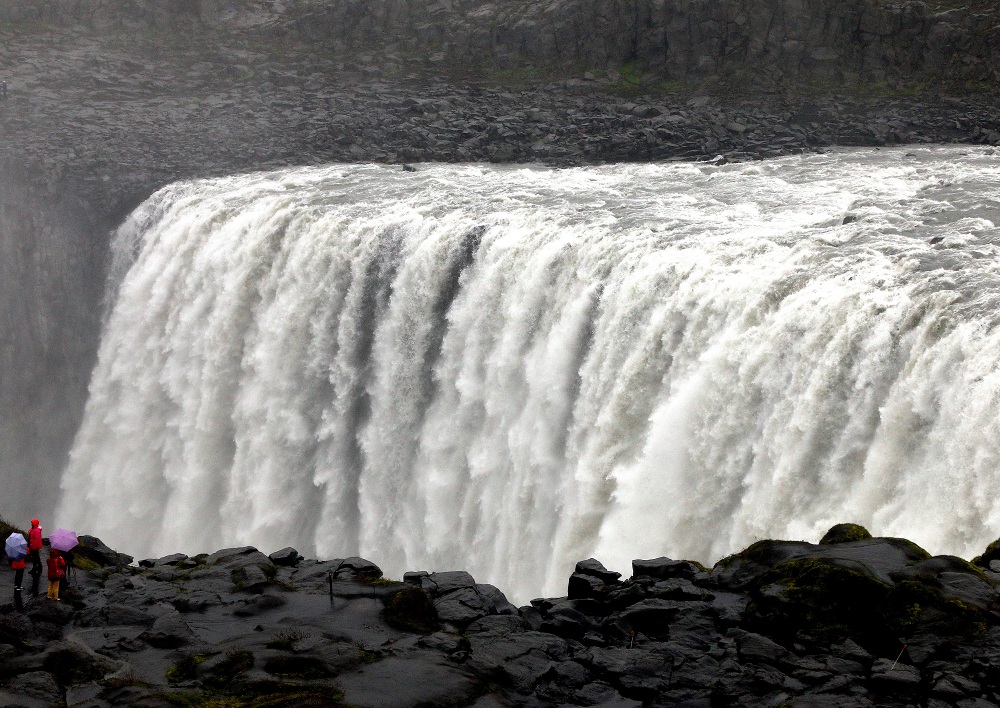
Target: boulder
(414,577)
(756,647)
(173,559)
(651,617)
(250,578)
(596,569)
(461,606)
(236,557)
(586,586)
(355,567)
(664,568)
(441,583)
(168,632)
(92,549)
(287,557)
(72,662)
(564,620)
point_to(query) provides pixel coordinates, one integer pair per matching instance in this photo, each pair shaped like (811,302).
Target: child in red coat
(57,571)
(18,566)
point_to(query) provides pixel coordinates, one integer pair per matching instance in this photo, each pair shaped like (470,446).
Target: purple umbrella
(16,547)
(63,540)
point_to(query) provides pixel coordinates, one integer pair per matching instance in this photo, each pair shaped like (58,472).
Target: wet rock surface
(874,622)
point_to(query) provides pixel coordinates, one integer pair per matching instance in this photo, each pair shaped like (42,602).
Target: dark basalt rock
(169,631)
(288,557)
(664,568)
(780,623)
(358,568)
(171,560)
(596,569)
(92,549)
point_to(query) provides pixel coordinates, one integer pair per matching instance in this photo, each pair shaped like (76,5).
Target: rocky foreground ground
(851,621)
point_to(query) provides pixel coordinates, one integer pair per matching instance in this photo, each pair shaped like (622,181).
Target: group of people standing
(55,565)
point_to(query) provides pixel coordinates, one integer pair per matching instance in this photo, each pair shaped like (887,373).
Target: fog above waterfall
(507,369)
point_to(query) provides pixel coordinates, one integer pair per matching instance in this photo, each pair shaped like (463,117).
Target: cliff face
(826,44)
(51,251)
(765,42)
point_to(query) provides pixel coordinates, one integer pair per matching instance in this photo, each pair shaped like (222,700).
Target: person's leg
(36,572)
(18,577)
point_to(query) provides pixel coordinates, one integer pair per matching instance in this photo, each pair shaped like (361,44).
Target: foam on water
(506,370)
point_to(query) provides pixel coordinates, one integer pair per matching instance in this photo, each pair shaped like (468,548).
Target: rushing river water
(506,370)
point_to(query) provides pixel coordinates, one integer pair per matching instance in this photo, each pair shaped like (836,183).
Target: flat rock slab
(405,682)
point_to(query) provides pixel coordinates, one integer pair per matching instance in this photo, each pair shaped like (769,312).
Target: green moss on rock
(220,675)
(991,553)
(759,552)
(186,668)
(913,605)
(845,533)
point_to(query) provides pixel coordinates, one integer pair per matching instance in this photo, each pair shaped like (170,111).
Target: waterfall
(508,369)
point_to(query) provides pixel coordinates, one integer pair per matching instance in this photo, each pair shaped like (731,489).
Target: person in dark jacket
(57,571)
(34,549)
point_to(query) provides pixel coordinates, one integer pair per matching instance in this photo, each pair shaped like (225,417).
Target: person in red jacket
(34,546)
(57,571)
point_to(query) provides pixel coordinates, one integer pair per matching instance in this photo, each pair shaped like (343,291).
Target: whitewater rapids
(507,369)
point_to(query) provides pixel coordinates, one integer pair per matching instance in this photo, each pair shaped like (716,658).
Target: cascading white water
(506,370)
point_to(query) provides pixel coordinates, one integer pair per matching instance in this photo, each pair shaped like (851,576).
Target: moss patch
(991,553)
(232,665)
(913,605)
(186,669)
(845,533)
(85,563)
(285,641)
(759,552)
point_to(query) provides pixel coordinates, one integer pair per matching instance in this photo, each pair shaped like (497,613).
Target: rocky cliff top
(851,621)
(112,98)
